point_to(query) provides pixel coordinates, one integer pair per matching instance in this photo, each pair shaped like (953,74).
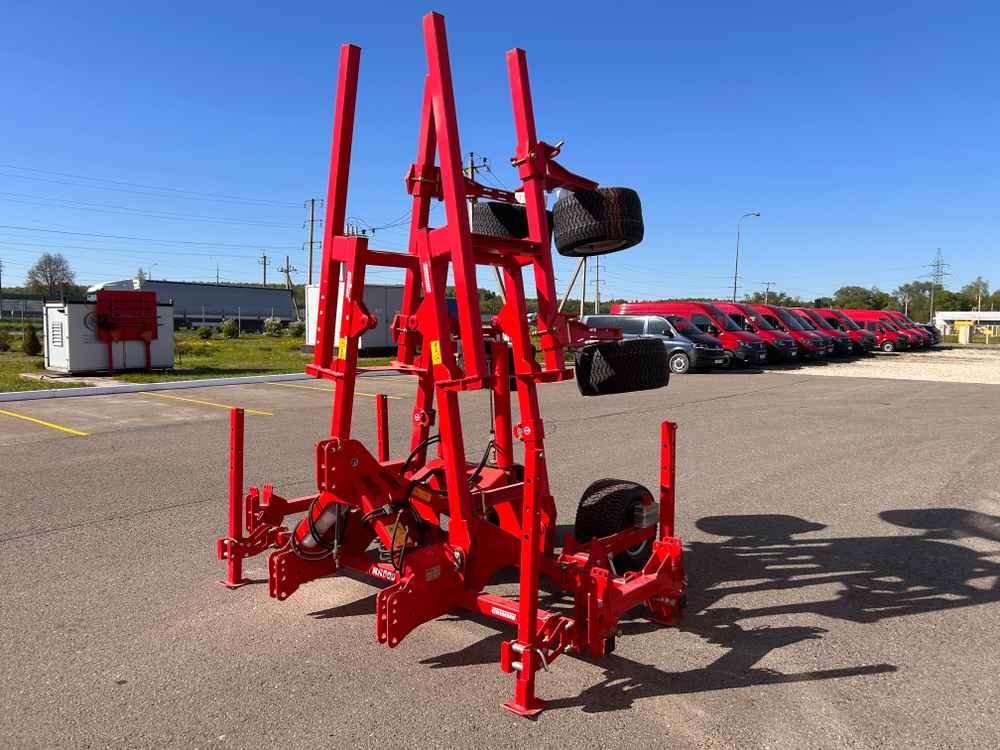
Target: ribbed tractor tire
(607,507)
(596,222)
(621,367)
(498,219)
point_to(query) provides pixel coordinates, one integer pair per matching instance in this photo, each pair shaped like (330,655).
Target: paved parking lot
(843,541)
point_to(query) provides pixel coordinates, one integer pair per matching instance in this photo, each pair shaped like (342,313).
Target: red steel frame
(445,526)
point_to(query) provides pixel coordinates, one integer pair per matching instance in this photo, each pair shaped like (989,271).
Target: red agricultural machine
(432,527)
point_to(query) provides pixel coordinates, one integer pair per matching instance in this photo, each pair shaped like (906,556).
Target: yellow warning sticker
(399,534)
(342,348)
(436,352)
(420,493)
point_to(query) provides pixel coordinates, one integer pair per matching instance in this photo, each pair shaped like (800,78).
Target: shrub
(192,349)
(230,328)
(30,344)
(297,329)
(4,341)
(272,327)
(204,332)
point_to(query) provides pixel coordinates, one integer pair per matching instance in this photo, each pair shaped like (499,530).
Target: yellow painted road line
(206,403)
(59,427)
(330,390)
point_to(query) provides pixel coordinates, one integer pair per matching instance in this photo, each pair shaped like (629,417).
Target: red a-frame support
(444,526)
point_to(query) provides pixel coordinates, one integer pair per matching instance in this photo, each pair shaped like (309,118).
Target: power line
(168,191)
(128,237)
(110,208)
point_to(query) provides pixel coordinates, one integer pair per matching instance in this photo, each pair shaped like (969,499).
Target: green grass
(12,364)
(194,359)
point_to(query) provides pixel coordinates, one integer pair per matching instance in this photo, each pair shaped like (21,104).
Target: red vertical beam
(352,250)
(420,211)
(382,425)
(234,563)
(336,201)
(525,703)
(502,423)
(532,172)
(668,477)
(453,187)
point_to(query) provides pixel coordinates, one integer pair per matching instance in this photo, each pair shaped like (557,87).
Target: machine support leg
(234,563)
(382,425)
(502,426)
(525,703)
(668,477)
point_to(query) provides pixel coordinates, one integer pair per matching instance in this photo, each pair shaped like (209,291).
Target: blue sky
(865,133)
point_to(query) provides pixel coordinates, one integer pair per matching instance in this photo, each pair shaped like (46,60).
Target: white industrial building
(945,320)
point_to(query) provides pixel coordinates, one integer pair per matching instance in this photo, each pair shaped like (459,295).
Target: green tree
(774,298)
(858,297)
(975,292)
(50,275)
(914,299)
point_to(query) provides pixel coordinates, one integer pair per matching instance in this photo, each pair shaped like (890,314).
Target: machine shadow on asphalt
(879,577)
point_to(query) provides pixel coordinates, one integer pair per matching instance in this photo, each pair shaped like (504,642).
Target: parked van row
(703,335)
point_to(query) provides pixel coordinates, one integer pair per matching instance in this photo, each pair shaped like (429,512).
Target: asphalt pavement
(843,554)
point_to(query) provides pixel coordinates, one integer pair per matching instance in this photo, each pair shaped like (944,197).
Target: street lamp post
(736,271)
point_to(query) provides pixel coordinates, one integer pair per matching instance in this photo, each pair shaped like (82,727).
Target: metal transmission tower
(937,275)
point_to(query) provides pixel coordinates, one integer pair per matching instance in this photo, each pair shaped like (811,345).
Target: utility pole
(264,262)
(767,289)
(470,172)
(937,274)
(1,288)
(736,269)
(216,273)
(312,223)
(288,270)
(583,288)
(597,285)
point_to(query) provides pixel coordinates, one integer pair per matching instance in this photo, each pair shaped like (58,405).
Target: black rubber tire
(607,507)
(621,367)
(888,346)
(596,222)
(679,363)
(498,219)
